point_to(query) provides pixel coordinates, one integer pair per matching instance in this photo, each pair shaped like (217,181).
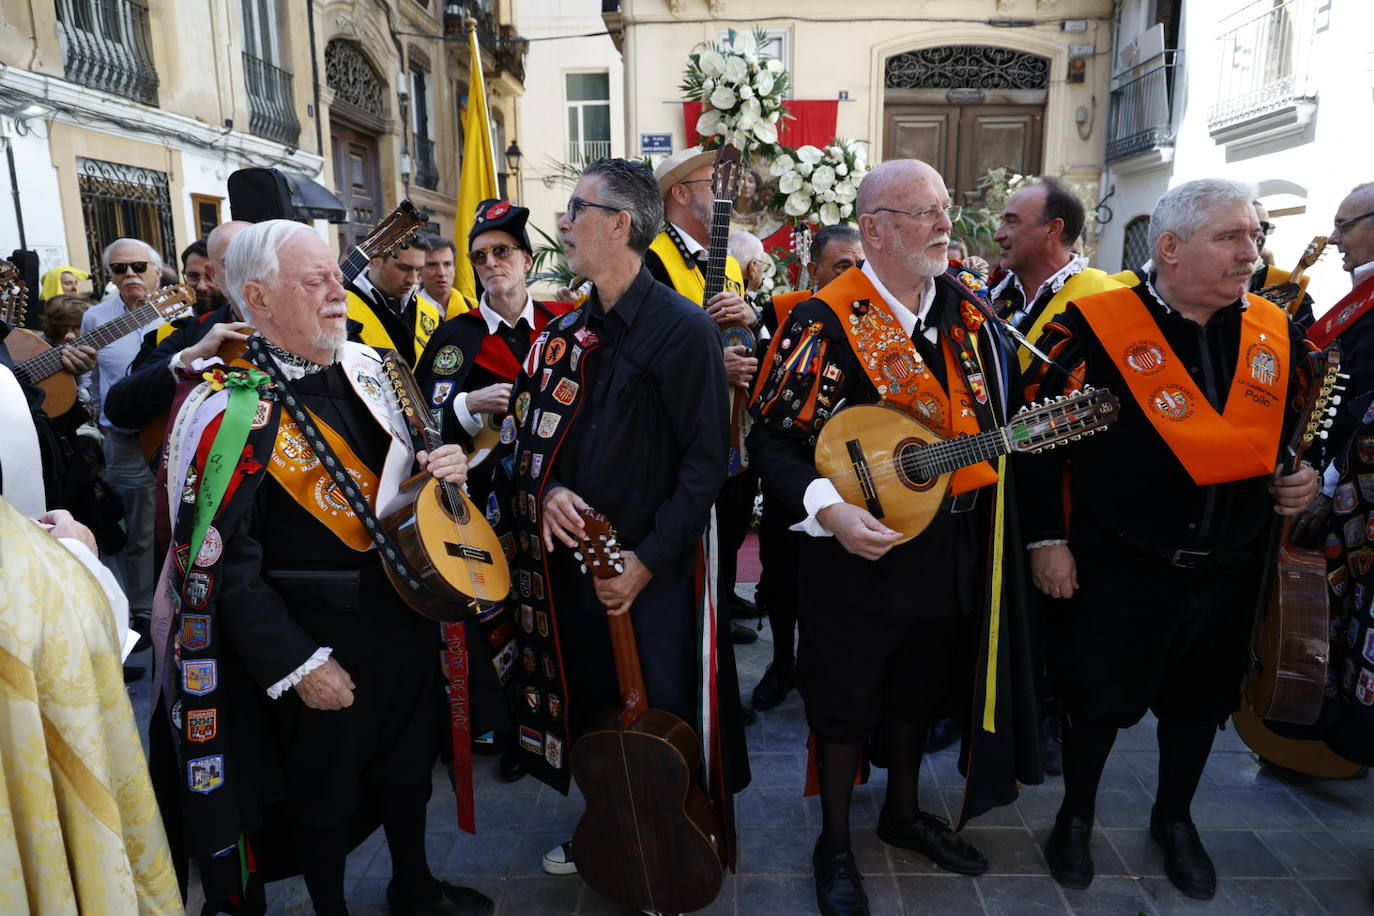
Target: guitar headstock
(725,176)
(1071,416)
(172,301)
(14,299)
(396,229)
(1322,398)
(404,391)
(599,550)
(1312,253)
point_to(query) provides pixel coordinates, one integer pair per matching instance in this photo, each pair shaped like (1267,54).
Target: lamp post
(513,157)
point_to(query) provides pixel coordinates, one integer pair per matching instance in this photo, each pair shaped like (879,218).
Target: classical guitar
(442,534)
(1288,294)
(395,229)
(883,459)
(725,179)
(14,300)
(650,838)
(1291,643)
(42,365)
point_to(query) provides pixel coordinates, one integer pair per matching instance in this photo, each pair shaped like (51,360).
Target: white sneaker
(559,860)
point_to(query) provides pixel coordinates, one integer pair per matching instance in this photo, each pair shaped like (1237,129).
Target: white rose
(805,168)
(774,65)
(723,98)
(763,83)
(823,177)
(711,63)
(708,122)
(780,166)
(841,169)
(707,85)
(835,152)
(790,182)
(766,133)
(828,196)
(797,204)
(746,91)
(846,209)
(810,154)
(723,127)
(845,193)
(736,71)
(830,214)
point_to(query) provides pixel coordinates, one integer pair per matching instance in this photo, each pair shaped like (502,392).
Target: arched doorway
(357,116)
(966,109)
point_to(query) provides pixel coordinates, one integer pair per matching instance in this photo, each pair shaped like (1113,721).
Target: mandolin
(1291,642)
(881,458)
(725,179)
(1288,294)
(14,298)
(41,364)
(649,839)
(445,538)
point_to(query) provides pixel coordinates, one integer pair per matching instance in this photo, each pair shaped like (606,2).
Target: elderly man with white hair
(1160,546)
(301,691)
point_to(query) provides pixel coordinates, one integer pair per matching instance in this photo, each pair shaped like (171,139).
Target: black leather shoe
(512,766)
(931,837)
(742,635)
(1185,861)
(773,687)
(741,608)
(944,731)
(449,900)
(1051,745)
(839,886)
(1068,852)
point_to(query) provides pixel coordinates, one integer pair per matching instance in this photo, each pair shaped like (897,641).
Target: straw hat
(681,164)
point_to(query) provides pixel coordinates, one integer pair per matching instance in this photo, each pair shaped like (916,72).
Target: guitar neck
(353,264)
(951,454)
(628,673)
(49,362)
(718,252)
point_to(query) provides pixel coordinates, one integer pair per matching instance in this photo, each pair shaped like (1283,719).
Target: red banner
(812,122)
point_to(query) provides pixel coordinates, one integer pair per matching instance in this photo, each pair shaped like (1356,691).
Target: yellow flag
(477,181)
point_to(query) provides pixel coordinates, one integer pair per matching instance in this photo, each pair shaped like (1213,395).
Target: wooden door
(962,142)
(357,182)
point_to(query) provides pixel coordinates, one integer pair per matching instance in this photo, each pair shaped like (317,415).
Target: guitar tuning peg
(1335,399)
(1327,424)
(582,568)
(1323,434)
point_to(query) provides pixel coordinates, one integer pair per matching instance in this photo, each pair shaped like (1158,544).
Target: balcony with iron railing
(502,42)
(1140,116)
(426,163)
(271,101)
(582,152)
(1266,55)
(105,46)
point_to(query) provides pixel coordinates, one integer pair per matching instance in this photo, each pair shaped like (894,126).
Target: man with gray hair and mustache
(302,692)
(1159,547)
(892,634)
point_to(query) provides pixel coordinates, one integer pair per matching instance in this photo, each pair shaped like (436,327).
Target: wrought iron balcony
(105,46)
(426,166)
(271,102)
(1141,115)
(1266,52)
(502,42)
(581,152)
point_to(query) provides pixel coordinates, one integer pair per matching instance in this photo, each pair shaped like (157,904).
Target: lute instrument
(883,459)
(395,229)
(725,178)
(650,838)
(14,296)
(1288,294)
(41,364)
(445,538)
(1291,641)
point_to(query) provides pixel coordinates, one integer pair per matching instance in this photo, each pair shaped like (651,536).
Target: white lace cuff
(291,680)
(819,494)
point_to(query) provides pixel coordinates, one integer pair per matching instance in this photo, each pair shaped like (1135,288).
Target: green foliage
(550,260)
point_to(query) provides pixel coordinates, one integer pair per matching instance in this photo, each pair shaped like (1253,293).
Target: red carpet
(749,566)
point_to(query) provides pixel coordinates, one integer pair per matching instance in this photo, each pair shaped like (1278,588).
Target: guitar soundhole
(456,510)
(904,462)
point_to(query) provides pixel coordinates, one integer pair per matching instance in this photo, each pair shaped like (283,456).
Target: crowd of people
(300,703)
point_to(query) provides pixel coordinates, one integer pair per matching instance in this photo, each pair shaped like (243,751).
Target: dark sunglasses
(1268,228)
(577,204)
(119,267)
(500,252)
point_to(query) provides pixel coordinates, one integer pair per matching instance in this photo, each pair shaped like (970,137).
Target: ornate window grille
(1135,245)
(105,46)
(967,67)
(426,163)
(1266,52)
(1141,115)
(271,101)
(353,78)
(123,201)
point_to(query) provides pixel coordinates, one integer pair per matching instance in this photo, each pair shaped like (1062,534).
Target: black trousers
(734,512)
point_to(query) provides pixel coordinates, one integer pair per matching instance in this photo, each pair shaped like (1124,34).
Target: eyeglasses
(577,204)
(1268,229)
(927,217)
(498,253)
(1344,224)
(119,267)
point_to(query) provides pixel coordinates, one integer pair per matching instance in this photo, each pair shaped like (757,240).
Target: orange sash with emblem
(1213,447)
(897,369)
(298,469)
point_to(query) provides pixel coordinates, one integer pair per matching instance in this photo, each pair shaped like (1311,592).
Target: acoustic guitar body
(454,550)
(649,839)
(861,449)
(487,438)
(59,389)
(1303,755)
(1287,679)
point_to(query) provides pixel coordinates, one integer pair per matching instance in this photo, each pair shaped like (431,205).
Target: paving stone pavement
(1278,849)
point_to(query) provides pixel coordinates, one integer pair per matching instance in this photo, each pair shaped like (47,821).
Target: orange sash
(1214,448)
(897,369)
(296,467)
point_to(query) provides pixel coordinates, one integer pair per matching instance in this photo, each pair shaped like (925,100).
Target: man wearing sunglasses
(384,300)
(134,267)
(891,635)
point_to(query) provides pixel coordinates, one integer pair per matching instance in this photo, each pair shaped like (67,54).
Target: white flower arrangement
(740,93)
(819,185)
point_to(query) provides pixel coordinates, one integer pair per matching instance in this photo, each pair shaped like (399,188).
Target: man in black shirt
(1161,560)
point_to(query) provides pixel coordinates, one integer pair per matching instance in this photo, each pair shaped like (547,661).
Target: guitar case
(259,194)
